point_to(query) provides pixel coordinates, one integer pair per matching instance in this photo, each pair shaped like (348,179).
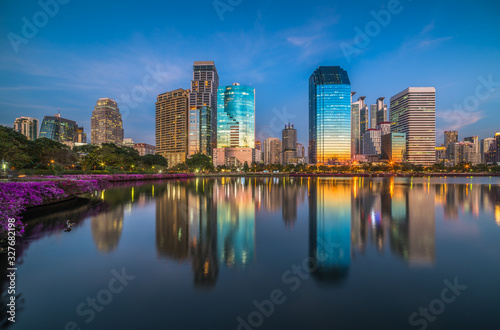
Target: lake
(268,253)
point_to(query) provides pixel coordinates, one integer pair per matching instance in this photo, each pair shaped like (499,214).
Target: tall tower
(381,111)
(450,137)
(413,111)
(329,116)
(236,117)
(289,135)
(359,124)
(171,125)
(106,123)
(27,126)
(202,136)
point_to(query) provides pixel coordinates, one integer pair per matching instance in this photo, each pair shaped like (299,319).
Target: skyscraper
(27,126)
(373,115)
(236,117)
(355,126)
(475,141)
(484,147)
(60,129)
(329,116)
(272,151)
(450,137)
(106,123)
(381,111)
(413,111)
(202,134)
(289,147)
(171,125)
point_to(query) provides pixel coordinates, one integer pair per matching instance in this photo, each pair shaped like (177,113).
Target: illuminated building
(289,144)
(27,126)
(413,111)
(394,147)
(60,129)
(106,123)
(171,125)
(329,116)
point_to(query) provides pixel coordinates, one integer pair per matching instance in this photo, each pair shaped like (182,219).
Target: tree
(201,162)
(152,160)
(246,167)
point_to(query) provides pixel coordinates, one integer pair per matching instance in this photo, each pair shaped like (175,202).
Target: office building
(462,152)
(235,157)
(440,154)
(373,116)
(289,144)
(384,127)
(128,142)
(372,142)
(381,111)
(413,111)
(358,125)
(484,147)
(329,116)
(27,126)
(475,141)
(171,125)
(272,151)
(393,147)
(236,117)
(450,137)
(106,123)
(202,136)
(60,129)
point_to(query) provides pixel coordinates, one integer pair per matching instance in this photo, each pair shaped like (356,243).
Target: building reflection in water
(330,228)
(107,228)
(211,222)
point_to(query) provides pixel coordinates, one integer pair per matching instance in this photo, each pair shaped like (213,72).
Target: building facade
(393,147)
(236,117)
(27,126)
(413,112)
(372,142)
(60,129)
(272,151)
(381,111)
(202,136)
(484,147)
(329,116)
(289,144)
(171,125)
(145,149)
(106,123)
(450,137)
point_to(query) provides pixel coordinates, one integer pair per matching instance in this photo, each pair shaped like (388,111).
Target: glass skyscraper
(236,117)
(60,129)
(329,116)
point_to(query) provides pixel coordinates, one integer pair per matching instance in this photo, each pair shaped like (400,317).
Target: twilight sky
(132,51)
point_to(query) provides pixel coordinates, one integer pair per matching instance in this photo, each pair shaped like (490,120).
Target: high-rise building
(394,147)
(301,151)
(475,141)
(356,134)
(106,123)
(80,136)
(171,125)
(236,117)
(450,137)
(493,153)
(381,111)
(272,151)
(413,111)
(27,126)
(258,145)
(371,142)
(373,116)
(462,152)
(60,129)
(202,134)
(484,147)
(289,145)
(329,116)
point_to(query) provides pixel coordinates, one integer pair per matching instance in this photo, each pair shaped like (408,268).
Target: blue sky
(86,50)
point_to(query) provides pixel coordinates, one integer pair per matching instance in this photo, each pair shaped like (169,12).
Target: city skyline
(53,71)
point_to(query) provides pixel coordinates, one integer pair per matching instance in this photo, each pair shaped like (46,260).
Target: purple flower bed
(15,197)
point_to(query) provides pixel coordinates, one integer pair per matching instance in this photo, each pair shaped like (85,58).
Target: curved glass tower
(329,116)
(236,117)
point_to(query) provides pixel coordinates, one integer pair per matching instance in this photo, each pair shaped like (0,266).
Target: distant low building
(227,156)
(145,149)
(128,142)
(441,154)
(393,147)
(62,130)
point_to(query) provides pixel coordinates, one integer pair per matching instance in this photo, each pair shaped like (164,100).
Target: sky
(64,55)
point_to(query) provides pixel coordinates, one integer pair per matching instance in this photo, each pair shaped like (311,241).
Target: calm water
(310,253)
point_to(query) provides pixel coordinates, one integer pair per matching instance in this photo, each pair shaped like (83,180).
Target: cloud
(423,39)
(302,41)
